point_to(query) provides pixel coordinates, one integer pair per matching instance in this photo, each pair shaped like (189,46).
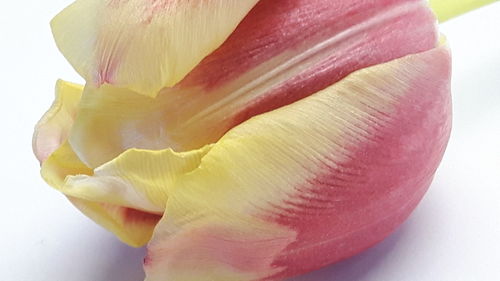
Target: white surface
(453,235)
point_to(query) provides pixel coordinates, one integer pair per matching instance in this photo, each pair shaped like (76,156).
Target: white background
(453,235)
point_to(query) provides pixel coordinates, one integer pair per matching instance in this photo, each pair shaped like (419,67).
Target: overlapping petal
(60,162)
(139,179)
(277,55)
(127,195)
(143,45)
(310,183)
(132,226)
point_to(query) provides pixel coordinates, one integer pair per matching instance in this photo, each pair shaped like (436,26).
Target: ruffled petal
(143,45)
(139,179)
(131,226)
(310,183)
(59,162)
(277,55)
(127,195)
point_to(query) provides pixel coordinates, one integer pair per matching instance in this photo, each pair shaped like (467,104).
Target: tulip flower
(248,140)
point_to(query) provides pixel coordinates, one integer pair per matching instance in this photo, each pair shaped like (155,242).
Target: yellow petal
(54,126)
(140,44)
(127,196)
(131,226)
(139,179)
(62,163)
(59,162)
(112,120)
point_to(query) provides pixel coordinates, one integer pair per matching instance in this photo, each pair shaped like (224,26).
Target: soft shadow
(99,256)
(357,267)
(127,264)
(116,261)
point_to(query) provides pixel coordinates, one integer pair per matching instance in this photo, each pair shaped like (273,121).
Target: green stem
(447,9)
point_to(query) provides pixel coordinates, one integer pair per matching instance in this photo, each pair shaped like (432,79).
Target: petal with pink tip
(277,55)
(143,45)
(53,128)
(311,183)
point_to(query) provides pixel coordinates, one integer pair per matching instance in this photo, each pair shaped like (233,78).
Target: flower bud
(247,140)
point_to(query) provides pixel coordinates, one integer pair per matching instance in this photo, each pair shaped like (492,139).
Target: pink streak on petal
(352,205)
(311,43)
(222,245)
(133,216)
(129,217)
(106,71)
(412,32)
(274,27)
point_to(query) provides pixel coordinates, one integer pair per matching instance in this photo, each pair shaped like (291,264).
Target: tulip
(248,140)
